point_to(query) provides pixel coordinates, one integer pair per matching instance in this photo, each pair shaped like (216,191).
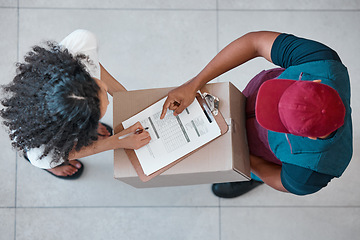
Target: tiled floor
(147,44)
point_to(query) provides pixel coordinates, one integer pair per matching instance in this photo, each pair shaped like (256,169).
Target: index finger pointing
(165,107)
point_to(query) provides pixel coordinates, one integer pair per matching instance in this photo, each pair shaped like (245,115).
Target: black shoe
(234,189)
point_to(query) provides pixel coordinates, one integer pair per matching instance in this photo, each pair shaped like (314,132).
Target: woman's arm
(245,48)
(112,84)
(267,171)
(133,141)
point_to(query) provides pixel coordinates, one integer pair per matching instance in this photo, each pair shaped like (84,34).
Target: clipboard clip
(211,101)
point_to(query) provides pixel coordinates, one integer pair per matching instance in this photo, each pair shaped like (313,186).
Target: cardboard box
(226,159)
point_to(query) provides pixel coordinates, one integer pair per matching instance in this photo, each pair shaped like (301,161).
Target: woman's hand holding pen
(133,137)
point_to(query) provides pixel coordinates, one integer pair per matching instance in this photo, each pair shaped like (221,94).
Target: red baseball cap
(302,108)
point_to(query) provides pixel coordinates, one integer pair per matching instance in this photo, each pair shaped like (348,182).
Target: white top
(79,41)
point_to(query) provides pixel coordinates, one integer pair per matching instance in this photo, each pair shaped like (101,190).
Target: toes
(102,130)
(70,170)
(63,171)
(75,164)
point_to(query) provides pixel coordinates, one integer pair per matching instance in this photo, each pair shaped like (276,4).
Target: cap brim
(267,101)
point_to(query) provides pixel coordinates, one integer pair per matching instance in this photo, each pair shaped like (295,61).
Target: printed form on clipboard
(174,136)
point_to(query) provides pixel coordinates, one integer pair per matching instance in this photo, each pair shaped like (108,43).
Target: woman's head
(52,101)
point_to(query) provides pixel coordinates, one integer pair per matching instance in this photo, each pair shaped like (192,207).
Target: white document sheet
(172,137)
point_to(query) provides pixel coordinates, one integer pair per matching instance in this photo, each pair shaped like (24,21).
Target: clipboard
(210,110)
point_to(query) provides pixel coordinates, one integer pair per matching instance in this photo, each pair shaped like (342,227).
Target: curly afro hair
(51,102)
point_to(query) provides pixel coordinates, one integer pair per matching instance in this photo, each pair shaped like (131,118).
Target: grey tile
(118,223)
(8,49)
(290,223)
(335,29)
(8,44)
(97,187)
(7,223)
(289,5)
(123,4)
(158,49)
(142,49)
(8,171)
(8,3)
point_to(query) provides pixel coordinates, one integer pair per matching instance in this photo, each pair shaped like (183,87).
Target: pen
(138,131)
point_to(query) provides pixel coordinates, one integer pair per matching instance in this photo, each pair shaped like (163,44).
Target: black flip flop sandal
(110,130)
(81,169)
(71,177)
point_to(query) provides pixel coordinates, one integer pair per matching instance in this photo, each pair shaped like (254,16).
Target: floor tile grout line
(119,207)
(8,7)
(120,9)
(16,155)
(178,207)
(294,206)
(186,9)
(217,34)
(219,222)
(289,10)
(217,30)
(218,80)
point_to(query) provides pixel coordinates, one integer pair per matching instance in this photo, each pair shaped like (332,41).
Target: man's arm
(267,171)
(245,48)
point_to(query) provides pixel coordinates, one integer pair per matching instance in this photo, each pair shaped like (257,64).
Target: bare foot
(66,170)
(102,132)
